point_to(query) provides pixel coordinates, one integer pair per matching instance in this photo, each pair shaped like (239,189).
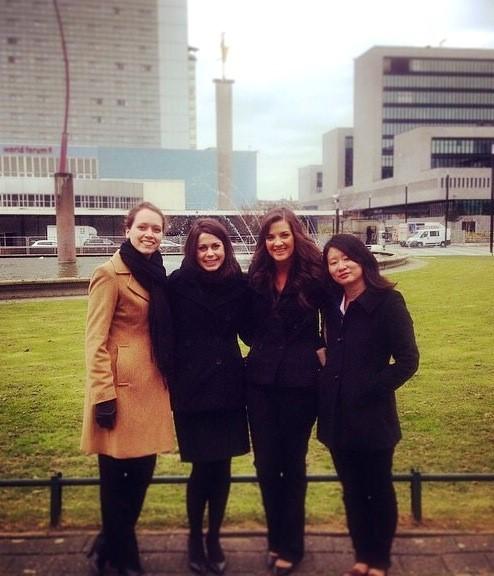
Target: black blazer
(284,337)
(208,363)
(357,405)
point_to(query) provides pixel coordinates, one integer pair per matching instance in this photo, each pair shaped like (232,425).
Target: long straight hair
(357,251)
(230,266)
(306,266)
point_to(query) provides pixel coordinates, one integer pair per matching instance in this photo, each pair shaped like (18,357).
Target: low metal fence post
(55,500)
(416,494)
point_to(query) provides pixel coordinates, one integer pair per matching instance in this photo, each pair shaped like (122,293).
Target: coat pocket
(124,366)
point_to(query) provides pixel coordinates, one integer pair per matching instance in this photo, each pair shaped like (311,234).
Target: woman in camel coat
(127,415)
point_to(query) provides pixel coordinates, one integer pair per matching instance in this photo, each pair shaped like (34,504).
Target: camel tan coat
(119,365)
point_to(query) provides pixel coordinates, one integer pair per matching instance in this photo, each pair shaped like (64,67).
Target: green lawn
(447,410)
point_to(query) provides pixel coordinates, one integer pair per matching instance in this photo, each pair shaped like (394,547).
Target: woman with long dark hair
(208,296)
(285,278)
(371,351)
(127,415)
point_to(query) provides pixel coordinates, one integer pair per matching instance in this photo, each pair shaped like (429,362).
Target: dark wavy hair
(306,268)
(131,216)
(230,266)
(357,251)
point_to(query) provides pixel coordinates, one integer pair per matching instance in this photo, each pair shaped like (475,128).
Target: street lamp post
(337,200)
(406,203)
(64,190)
(491,230)
(446,212)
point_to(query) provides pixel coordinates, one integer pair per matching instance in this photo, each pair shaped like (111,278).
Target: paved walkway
(163,553)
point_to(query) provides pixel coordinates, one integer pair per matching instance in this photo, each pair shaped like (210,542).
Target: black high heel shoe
(216,557)
(197,556)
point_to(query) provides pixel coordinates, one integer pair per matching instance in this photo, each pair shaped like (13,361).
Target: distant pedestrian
(127,414)
(208,297)
(282,366)
(371,351)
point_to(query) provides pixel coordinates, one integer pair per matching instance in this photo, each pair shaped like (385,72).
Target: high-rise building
(398,89)
(132,74)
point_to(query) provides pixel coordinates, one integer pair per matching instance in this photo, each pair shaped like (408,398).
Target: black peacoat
(284,337)
(356,392)
(208,363)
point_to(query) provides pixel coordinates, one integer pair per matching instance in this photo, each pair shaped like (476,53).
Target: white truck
(429,236)
(407,229)
(82,233)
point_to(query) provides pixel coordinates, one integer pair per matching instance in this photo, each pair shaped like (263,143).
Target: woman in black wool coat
(208,296)
(281,373)
(366,324)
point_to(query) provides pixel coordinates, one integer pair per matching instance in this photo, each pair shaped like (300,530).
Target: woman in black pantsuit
(366,324)
(208,296)
(282,365)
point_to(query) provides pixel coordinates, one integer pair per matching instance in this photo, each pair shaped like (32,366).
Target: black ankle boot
(97,557)
(216,558)
(196,554)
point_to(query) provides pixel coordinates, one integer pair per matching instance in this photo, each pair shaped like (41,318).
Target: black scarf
(151,275)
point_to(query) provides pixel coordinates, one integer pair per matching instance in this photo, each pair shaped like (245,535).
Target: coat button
(219,362)
(337,377)
(339,340)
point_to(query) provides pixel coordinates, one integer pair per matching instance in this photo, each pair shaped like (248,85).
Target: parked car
(44,247)
(97,245)
(44,244)
(170,247)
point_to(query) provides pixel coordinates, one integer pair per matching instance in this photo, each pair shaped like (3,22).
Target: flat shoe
(271,559)
(283,570)
(354,572)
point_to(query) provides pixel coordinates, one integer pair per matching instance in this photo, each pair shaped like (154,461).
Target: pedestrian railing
(416,478)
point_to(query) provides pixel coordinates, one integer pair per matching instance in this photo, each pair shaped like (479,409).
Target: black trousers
(370,503)
(281,420)
(123,486)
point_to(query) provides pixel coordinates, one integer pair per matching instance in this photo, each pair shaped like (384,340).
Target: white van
(430,236)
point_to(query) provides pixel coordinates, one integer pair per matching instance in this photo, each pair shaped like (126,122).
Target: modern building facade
(397,89)
(421,145)
(132,77)
(132,113)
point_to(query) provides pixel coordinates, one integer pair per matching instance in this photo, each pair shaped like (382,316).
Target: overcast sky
(292,62)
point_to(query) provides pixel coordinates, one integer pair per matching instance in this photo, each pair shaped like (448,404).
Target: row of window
(14,59)
(465,182)
(455,66)
(114,202)
(45,166)
(439,113)
(391,127)
(460,162)
(451,82)
(462,145)
(48,201)
(420,97)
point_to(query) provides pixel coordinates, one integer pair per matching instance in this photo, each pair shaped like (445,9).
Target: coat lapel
(132,283)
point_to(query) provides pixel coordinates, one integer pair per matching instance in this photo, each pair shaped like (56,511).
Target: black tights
(209,483)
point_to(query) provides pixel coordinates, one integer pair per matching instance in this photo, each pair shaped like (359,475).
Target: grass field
(447,411)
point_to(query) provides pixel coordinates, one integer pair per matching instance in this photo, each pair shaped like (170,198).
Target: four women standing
(129,346)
